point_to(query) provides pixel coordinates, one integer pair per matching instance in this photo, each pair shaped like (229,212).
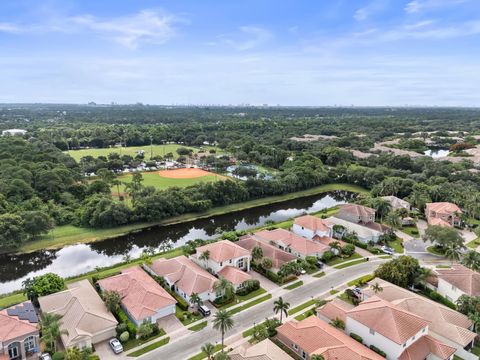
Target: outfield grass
(132,151)
(69,234)
(161,183)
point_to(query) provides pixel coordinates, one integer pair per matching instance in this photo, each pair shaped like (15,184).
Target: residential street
(190,344)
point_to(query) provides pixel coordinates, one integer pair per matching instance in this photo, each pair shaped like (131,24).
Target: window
(304,354)
(372,331)
(240,263)
(230,261)
(221,264)
(413,337)
(405,344)
(423,330)
(13,350)
(29,344)
(295,346)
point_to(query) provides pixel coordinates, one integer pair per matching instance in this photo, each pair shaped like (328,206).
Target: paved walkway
(183,346)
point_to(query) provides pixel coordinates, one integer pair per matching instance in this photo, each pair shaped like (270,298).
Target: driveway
(187,346)
(264,282)
(104,352)
(169,323)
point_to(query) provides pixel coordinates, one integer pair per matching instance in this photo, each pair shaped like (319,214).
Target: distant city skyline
(288,53)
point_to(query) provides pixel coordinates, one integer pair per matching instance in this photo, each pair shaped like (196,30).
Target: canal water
(78,259)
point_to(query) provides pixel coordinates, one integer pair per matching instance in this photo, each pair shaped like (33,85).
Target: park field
(164,179)
(132,151)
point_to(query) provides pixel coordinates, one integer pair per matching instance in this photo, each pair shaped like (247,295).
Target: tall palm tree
(393,220)
(196,300)
(475,318)
(280,306)
(317,357)
(376,288)
(421,276)
(50,325)
(381,206)
(222,321)
(117,183)
(205,256)
(338,323)
(224,287)
(453,253)
(208,349)
(472,260)
(257,253)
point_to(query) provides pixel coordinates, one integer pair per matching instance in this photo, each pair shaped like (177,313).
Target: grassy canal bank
(68,234)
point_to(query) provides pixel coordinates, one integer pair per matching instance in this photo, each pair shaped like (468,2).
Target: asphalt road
(188,346)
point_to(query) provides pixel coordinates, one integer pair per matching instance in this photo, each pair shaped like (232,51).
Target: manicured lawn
(250,331)
(250,304)
(345,298)
(473,244)
(410,230)
(199,326)
(476,350)
(202,355)
(396,245)
(345,265)
(294,285)
(69,234)
(300,307)
(239,299)
(320,274)
(160,183)
(333,292)
(443,266)
(150,347)
(179,313)
(133,343)
(132,151)
(434,250)
(12,299)
(305,314)
(338,260)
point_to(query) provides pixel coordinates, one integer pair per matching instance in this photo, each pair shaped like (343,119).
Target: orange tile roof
(234,275)
(335,309)
(357,210)
(299,244)
(391,321)
(223,250)
(184,273)
(425,346)
(141,295)
(437,222)
(315,336)
(461,277)
(12,327)
(446,208)
(444,321)
(278,257)
(312,222)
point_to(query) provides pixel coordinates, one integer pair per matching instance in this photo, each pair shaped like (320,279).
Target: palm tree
(196,300)
(208,349)
(376,288)
(50,325)
(112,300)
(222,321)
(280,306)
(381,206)
(224,287)
(335,245)
(117,183)
(472,260)
(317,357)
(453,253)
(267,263)
(393,220)
(475,318)
(205,256)
(338,323)
(257,253)
(421,276)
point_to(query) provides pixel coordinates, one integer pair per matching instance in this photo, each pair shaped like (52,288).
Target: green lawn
(250,304)
(69,234)
(198,326)
(133,343)
(202,355)
(361,279)
(345,298)
(396,245)
(337,260)
(434,250)
(179,313)
(132,151)
(320,274)
(150,347)
(305,314)
(345,265)
(300,307)
(473,244)
(239,299)
(294,285)
(410,230)
(160,183)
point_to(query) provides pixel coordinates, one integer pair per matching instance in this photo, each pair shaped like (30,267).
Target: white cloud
(251,37)
(374,6)
(9,28)
(416,6)
(147,26)
(361,14)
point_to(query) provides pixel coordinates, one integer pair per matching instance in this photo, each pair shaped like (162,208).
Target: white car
(387,250)
(116,346)
(45,356)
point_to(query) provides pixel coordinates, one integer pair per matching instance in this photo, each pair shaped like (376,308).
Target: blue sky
(288,52)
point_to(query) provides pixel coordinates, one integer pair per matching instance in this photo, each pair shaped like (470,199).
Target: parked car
(45,356)
(387,250)
(205,311)
(116,346)
(320,264)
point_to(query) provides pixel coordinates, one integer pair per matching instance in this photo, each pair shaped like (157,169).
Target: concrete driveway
(104,352)
(264,282)
(169,323)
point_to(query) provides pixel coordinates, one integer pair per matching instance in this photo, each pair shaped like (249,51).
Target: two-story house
(457,281)
(225,259)
(443,214)
(312,227)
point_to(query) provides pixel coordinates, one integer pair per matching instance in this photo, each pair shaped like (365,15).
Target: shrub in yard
(249,286)
(312,260)
(348,249)
(124,336)
(378,351)
(123,318)
(414,232)
(58,356)
(356,337)
(121,328)
(327,255)
(271,326)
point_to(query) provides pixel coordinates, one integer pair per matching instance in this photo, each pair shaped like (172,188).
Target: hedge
(122,317)
(435,296)
(356,337)
(378,351)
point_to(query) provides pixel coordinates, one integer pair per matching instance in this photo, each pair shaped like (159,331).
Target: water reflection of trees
(13,267)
